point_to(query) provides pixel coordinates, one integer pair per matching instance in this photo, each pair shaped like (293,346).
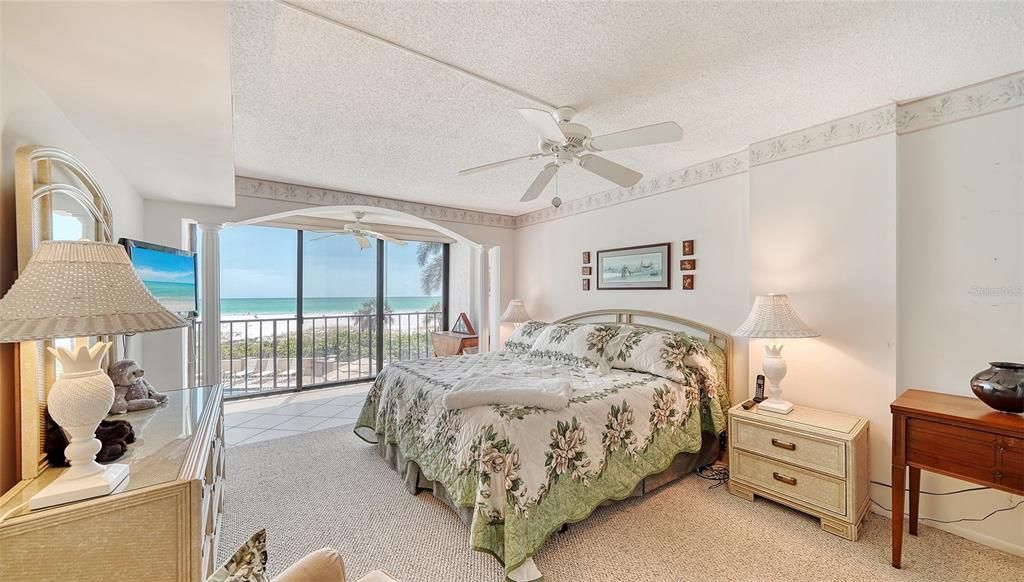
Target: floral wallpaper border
(690,176)
(323,197)
(990,96)
(980,99)
(875,122)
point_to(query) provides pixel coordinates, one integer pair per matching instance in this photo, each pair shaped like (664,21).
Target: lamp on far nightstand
(515,313)
(772,317)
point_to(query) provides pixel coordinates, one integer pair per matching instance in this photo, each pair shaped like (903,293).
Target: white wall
(28,116)
(166,224)
(823,230)
(905,251)
(961,277)
(713,214)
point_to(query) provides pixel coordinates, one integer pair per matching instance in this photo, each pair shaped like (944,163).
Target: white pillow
(588,345)
(524,336)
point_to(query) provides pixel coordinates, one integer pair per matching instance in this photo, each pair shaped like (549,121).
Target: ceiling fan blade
(540,182)
(363,242)
(485,167)
(324,236)
(544,123)
(384,237)
(609,170)
(665,132)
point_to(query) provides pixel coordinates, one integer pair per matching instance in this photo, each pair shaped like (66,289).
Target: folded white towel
(549,393)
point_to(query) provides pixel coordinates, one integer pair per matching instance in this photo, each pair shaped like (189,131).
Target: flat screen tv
(170,274)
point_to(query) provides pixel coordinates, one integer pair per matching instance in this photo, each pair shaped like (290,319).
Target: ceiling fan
(567,142)
(358,230)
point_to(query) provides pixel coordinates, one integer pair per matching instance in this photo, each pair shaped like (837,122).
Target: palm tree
(433,314)
(369,307)
(430,257)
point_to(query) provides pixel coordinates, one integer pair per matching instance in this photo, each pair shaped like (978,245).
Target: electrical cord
(718,472)
(934,493)
(995,511)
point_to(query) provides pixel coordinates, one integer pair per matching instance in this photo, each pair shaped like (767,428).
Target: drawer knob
(784,478)
(783,445)
(1001,448)
(997,476)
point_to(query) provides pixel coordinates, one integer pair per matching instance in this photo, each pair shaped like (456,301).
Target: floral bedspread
(527,471)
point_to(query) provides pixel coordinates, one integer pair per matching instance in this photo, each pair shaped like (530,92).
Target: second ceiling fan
(568,142)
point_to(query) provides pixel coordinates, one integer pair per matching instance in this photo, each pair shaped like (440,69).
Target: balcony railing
(262,355)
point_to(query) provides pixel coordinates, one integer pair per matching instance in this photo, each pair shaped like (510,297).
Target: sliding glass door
(306,309)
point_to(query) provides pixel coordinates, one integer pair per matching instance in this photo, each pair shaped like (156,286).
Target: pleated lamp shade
(772,316)
(515,312)
(76,289)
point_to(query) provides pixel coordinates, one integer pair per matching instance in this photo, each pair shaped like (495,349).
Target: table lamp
(772,317)
(78,289)
(515,313)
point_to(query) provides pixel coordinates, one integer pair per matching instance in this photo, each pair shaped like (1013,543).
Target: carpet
(329,488)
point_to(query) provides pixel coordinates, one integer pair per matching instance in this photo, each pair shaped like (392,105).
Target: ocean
(176,297)
(242,308)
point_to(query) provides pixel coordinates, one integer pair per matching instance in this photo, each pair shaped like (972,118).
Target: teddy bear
(131,391)
(114,437)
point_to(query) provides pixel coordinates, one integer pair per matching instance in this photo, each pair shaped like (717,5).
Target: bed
(517,474)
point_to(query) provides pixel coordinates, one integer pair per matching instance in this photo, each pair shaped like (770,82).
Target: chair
(325,565)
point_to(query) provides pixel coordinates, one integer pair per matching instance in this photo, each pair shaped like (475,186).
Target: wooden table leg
(898,483)
(915,496)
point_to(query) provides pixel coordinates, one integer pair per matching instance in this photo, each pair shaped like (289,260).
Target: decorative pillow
(588,345)
(524,336)
(675,356)
(247,564)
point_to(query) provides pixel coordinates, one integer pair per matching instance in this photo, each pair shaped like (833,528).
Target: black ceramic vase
(1001,386)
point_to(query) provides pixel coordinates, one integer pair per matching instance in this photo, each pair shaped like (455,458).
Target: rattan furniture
(811,460)
(161,526)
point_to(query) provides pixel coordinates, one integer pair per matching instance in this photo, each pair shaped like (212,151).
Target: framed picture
(688,264)
(687,248)
(687,282)
(642,267)
(586,257)
(586,284)
(588,270)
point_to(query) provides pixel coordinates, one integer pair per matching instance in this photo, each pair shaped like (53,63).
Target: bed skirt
(682,465)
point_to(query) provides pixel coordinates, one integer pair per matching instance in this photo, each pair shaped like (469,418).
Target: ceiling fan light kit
(362,235)
(568,142)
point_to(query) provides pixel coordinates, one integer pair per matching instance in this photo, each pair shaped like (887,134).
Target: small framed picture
(588,271)
(586,257)
(586,284)
(687,248)
(687,282)
(688,264)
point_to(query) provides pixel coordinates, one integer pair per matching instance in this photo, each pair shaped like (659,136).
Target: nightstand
(811,460)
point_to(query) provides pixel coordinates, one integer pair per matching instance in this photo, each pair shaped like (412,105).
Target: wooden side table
(957,436)
(811,460)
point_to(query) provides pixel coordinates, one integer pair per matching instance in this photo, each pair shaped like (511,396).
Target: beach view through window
(344,335)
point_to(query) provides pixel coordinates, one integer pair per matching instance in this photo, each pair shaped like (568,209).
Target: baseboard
(965,533)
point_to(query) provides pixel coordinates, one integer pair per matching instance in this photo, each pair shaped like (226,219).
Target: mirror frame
(39,172)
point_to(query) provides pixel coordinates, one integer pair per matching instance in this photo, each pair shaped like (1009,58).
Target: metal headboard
(631,316)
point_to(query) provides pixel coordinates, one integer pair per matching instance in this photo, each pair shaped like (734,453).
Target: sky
(162,267)
(260,262)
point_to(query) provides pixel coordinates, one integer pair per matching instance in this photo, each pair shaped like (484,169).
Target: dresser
(161,526)
(957,436)
(811,460)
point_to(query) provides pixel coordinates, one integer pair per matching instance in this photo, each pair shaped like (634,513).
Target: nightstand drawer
(804,451)
(794,482)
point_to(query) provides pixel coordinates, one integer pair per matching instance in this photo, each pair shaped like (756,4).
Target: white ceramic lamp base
(774,367)
(68,488)
(78,401)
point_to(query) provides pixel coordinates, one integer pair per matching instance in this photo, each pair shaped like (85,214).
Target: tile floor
(270,417)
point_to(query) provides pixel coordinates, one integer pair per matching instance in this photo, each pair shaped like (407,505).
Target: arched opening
(331,330)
